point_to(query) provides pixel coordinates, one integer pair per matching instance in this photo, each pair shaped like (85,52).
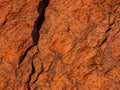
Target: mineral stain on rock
(59,44)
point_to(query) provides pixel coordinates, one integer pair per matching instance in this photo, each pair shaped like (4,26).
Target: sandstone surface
(59,44)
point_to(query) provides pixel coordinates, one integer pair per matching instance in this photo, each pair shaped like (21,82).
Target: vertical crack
(38,23)
(35,36)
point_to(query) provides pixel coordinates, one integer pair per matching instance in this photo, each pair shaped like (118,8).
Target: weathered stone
(60,45)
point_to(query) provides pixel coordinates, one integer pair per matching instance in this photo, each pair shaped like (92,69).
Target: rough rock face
(59,44)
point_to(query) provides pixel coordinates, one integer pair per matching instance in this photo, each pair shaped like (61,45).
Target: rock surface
(59,44)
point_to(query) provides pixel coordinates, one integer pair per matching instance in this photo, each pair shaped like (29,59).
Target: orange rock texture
(59,44)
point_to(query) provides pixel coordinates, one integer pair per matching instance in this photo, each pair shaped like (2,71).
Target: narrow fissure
(32,72)
(33,68)
(104,40)
(38,23)
(35,36)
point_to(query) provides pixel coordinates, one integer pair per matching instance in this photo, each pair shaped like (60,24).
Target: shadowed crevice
(38,23)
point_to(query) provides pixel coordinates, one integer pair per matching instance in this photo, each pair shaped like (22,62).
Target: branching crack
(38,23)
(35,37)
(38,75)
(33,68)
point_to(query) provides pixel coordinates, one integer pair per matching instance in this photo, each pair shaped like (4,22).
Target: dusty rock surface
(60,45)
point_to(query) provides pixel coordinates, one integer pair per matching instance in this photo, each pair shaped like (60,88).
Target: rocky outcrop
(60,45)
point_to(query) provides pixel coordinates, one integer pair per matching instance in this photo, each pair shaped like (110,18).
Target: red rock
(55,45)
